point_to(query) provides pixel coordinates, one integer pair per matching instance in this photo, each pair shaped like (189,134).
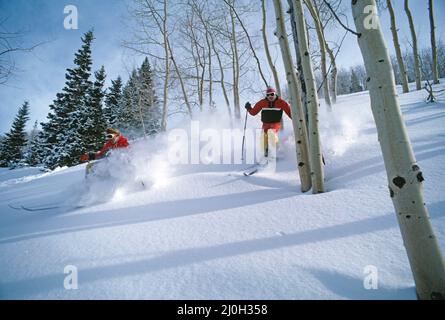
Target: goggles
(270,94)
(109,136)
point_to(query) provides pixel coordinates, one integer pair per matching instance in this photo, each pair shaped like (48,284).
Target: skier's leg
(264,143)
(277,139)
(272,143)
(89,169)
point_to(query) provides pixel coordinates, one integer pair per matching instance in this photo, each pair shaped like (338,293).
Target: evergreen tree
(149,101)
(138,106)
(112,102)
(126,121)
(61,136)
(95,123)
(31,157)
(12,147)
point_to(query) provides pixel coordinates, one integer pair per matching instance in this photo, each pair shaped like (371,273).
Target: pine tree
(30,156)
(94,120)
(112,102)
(149,101)
(125,121)
(12,147)
(139,110)
(61,136)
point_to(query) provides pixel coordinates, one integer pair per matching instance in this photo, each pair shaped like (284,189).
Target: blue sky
(41,73)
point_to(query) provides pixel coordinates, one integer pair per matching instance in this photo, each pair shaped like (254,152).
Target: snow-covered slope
(208,232)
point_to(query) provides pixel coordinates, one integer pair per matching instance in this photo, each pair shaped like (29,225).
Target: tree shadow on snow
(413,108)
(54,225)
(374,165)
(426,118)
(184,257)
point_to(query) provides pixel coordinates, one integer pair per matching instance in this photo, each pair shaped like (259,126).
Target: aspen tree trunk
(201,85)
(181,81)
(198,63)
(333,79)
(399,56)
(210,69)
(298,119)
(301,82)
(332,58)
(316,161)
(322,42)
(209,49)
(266,49)
(403,173)
(140,113)
(249,40)
(415,49)
(235,67)
(223,86)
(167,70)
(433,43)
(269,57)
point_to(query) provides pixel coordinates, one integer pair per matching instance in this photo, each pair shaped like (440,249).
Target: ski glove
(84,157)
(88,156)
(248,106)
(91,155)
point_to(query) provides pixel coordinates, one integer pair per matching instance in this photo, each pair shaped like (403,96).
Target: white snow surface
(207,232)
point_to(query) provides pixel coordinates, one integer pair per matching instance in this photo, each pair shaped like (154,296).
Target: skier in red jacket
(114,141)
(271,107)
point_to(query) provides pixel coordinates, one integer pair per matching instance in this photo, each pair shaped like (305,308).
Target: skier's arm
(103,150)
(257,108)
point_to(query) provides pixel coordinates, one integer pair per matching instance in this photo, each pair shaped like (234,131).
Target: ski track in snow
(208,232)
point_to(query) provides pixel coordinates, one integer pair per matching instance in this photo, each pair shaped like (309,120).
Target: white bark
(221,70)
(403,173)
(317,174)
(209,48)
(301,82)
(235,66)
(395,37)
(266,49)
(334,71)
(198,55)
(433,43)
(298,119)
(322,44)
(199,11)
(167,69)
(415,49)
(181,80)
(252,48)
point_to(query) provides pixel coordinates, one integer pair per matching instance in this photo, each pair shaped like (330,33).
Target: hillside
(208,232)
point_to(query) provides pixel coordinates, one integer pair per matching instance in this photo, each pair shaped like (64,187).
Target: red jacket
(121,142)
(276,104)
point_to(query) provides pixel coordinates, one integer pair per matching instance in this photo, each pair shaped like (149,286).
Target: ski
(14,207)
(254,169)
(39,208)
(250,172)
(43,208)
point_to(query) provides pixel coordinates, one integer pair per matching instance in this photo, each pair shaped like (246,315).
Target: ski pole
(244,137)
